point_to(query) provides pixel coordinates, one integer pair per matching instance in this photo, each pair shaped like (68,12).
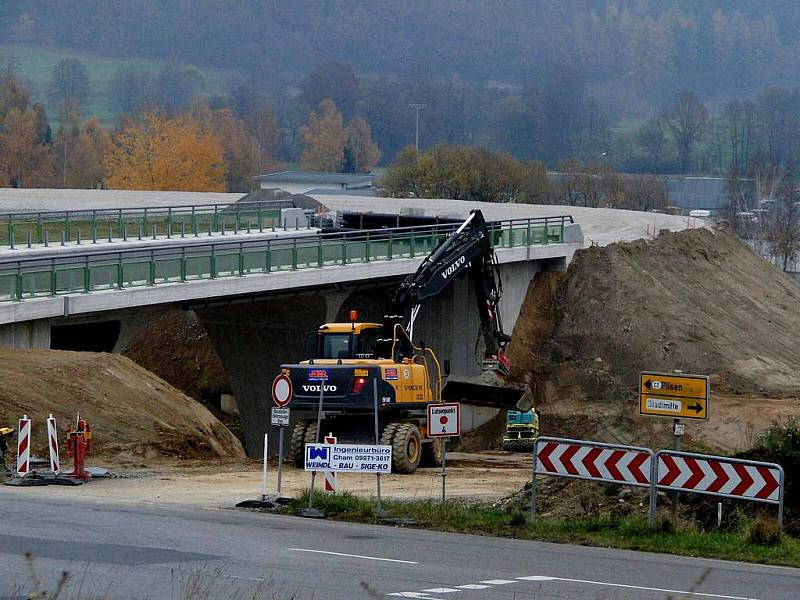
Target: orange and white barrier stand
(330,476)
(52,443)
(24,446)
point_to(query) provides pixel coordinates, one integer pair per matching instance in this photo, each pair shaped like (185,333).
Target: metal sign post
(378,508)
(280,418)
(282,395)
(322,377)
(444,420)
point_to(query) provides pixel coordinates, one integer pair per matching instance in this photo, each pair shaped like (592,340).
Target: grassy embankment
(756,541)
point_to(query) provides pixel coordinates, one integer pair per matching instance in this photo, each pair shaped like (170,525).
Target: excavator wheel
(387,434)
(304,432)
(406,448)
(432,454)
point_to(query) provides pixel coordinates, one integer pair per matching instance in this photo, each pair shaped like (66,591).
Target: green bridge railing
(65,226)
(127,268)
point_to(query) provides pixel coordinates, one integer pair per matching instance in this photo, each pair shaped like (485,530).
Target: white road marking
(498,581)
(439,590)
(394,560)
(419,595)
(636,587)
(473,586)
(245,578)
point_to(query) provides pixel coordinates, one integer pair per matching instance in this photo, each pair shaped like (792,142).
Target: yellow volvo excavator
(347,358)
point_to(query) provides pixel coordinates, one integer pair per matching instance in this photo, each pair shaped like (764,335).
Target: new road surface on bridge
(127,550)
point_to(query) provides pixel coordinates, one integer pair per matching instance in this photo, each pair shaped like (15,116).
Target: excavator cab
(342,341)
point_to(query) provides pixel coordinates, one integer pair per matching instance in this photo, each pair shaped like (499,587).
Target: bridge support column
(253,340)
(26,334)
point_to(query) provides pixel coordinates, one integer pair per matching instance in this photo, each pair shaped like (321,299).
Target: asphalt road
(139,551)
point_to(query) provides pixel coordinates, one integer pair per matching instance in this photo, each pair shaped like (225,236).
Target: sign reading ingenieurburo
(353,458)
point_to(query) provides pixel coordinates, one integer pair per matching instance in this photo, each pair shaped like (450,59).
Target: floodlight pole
(417,107)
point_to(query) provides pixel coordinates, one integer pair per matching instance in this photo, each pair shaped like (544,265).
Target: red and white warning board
(329,476)
(52,442)
(444,420)
(24,446)
(687,472)
(594,461)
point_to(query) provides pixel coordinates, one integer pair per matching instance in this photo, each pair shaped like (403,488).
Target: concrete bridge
(257,295)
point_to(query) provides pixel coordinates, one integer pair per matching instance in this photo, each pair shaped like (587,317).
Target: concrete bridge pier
(26,335)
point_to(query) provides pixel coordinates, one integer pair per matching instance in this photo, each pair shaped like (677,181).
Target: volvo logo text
(457,263)
(315,388)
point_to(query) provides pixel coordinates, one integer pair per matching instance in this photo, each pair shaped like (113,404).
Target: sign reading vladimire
(279,416)
(673,395)
(353,458)
(444,420)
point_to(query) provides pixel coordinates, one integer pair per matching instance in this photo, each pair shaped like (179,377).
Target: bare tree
(785,234)
(652,138)
(687,120)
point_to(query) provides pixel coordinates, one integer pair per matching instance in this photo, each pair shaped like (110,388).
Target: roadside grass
(629,532)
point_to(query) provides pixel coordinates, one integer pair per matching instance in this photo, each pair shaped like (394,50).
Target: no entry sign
(282,390)
(444,420)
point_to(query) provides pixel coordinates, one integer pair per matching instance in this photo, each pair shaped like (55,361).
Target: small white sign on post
(348,458)
(444,420)
(279,417)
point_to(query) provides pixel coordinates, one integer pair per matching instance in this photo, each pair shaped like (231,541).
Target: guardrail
(64,226)
(82,274)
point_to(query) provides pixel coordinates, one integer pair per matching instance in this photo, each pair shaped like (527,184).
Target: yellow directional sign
(672,395)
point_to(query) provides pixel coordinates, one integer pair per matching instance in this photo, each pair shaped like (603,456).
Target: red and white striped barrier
(593,461)
(24,446)
(52,443)
(666,469)
(742,479)
(329,477)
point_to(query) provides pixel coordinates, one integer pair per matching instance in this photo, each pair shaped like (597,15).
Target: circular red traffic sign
(282,390)
(443,420)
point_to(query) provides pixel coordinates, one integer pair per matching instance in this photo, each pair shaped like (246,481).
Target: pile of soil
(132,412)
(177,348)
(695,300)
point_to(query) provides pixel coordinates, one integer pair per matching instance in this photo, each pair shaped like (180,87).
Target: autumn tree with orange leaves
(323,139)
(159,153)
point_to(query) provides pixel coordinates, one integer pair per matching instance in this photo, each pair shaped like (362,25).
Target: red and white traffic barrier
(719,476)
(52,443)
(329,477)
(666,470)
(24,446)
(593,461)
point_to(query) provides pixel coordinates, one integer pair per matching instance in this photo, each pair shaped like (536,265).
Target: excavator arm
(468,248)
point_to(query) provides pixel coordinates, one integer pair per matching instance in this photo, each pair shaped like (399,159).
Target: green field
(35,65)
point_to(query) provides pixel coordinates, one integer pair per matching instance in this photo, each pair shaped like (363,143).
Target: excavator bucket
(479,394)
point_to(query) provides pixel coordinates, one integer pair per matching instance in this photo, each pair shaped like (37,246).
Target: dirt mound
(177,348)
(132,412)
(696,300)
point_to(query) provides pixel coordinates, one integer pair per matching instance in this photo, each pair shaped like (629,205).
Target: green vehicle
(521,431)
